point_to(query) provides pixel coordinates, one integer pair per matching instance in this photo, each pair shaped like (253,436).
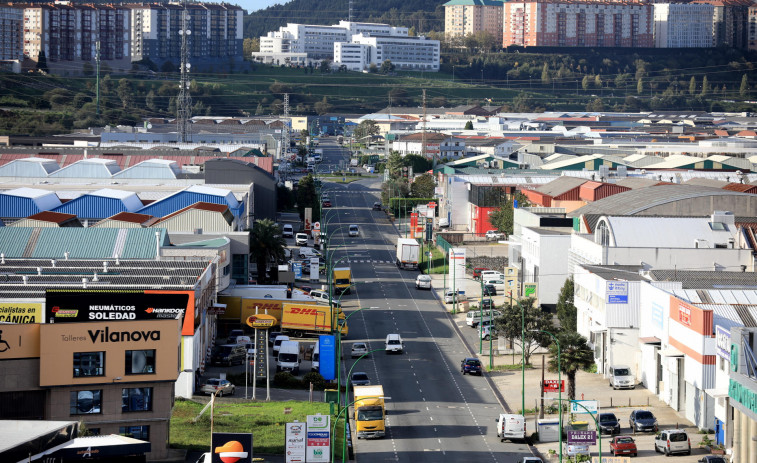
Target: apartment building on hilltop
(468,17)
(683,25)
(578,24)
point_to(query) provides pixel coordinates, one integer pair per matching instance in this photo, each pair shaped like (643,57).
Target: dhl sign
(304,311)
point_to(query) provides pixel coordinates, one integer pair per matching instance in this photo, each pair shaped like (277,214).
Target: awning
(102,446)
(672,352)
(716,393)
(650,340)
(598,329)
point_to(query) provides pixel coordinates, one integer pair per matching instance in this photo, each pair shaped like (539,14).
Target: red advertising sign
(684,315)
(550,385)
(413,219)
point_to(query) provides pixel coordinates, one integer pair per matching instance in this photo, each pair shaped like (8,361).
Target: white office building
(406,53)
(683,25)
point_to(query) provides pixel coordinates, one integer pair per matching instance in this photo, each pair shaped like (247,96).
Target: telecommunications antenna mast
(184,103)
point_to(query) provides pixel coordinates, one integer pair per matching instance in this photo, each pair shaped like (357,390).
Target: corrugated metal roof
(13,240)
(153,168)
(101,204)
(707,279)
(88,168)
(560,185)
(29,167)
(667,232)
(23,202)
(192,195)
(50,216)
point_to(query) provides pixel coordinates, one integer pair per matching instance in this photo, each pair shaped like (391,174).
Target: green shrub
(315,378)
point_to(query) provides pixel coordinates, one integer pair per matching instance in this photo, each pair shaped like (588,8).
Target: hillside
(422,15)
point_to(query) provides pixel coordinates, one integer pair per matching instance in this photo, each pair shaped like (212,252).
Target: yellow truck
(301,319)
(342,279)
(370,412)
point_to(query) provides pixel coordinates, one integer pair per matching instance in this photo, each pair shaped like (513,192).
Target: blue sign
(297,269)
(327,356)
(617,292)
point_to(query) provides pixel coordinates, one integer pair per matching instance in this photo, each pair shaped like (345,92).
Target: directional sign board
(589,406)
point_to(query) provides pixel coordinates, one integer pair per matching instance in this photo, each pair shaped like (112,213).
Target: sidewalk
(589,386)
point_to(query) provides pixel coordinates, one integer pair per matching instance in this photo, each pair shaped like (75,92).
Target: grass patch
(509,367)
(266,420)
(436,265)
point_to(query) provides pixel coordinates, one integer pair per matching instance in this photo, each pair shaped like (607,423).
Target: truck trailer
(408,251)
(309,319)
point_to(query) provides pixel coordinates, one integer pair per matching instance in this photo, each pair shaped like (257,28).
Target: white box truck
(408,251)
(289,357)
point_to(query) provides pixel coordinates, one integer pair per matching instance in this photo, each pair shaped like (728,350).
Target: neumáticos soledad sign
(262,321)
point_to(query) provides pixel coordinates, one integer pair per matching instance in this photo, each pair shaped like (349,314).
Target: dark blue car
(470,365)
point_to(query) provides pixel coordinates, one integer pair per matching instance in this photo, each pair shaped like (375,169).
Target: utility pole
(97,63)
(285,135)
(423,136)
(184,103)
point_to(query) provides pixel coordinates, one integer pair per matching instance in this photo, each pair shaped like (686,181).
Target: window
(89,364)
(137,399)
(86,402)
(136,432)
(140,362)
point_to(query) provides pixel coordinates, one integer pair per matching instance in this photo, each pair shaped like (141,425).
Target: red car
(477,272)
(623,445)
(326,203)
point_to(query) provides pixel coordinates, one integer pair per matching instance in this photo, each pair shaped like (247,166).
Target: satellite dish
(181,32)
(138,361)
(149,125)
(189,32)
(189,65)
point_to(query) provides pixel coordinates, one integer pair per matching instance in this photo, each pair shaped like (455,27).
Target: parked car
(488,332)
(360,378)
(377,206)
(277,344)
(470,365)
(609,424)
(232,339)
(423,281)
(487,304)
(577,449)
(477,272)
(354,230)
(229,354)
(358,349)
(712,459)
(621,377)
(492,275)
(217,386)
(642,420)
(323,297)
(326,203)
(530,460)
(672,441)
(451,296)
(498,283)
(623,445)
(494,235)
(301,239)
(490,290)
(272,336)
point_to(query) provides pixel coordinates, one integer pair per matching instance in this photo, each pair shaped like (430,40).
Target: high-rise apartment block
(11,23)
(469,17)
(683,25)
(550,23)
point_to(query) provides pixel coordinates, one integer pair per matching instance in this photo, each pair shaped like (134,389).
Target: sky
(255,5)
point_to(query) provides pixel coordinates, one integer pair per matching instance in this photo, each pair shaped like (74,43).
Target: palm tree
(266,245)
(575,354)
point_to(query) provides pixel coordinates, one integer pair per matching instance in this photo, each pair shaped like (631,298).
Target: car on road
(233,335)
(358,349)
(642,420)
(470,365)
(360,378)
(530,460)
(326,203)
(609,424)
(672,441)
(218,386)
(228,354)
(301,239)
(377,206)
(393,344)
(323,297)
(451,296)
(423,281)
(288,231)
(623,445)
(494,235)
(277,344)
(354,230)
(272,336)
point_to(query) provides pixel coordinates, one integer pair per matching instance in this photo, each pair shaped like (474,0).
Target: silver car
(360,378)
(218,386)
(358,349)
(423,281)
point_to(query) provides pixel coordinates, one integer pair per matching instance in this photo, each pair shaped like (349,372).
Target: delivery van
(511,427)
(316,361)
(289,357)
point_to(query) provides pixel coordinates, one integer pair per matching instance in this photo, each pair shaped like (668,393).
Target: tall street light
(522,353)
(347,396)
(596,424)
(559,385)
(339,355)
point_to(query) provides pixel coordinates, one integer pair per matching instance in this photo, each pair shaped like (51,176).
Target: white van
(393,343)
(473,317)
(316,361)
(621,377)
(277,343)
(492,275)
(308,253)
(322,297)
(287,231)
(511,427)
(289,357)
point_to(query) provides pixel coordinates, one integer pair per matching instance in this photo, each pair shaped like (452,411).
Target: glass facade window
(139,362)
(138,399)
(135,432)
(86,402)
(89,364)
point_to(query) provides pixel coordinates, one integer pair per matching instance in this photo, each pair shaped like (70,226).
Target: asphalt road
(435,413)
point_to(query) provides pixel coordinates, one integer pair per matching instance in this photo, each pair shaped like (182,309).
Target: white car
(423,281)
(301,239)
(354,230)
(358,349)
(498,283)
(450,297)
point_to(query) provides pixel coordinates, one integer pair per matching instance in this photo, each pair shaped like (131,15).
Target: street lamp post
(596,424)
(559,386)
(347,397)
(339,355)
(522,354)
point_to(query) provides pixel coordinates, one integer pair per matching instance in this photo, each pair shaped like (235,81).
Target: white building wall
(683,25)
(549,254)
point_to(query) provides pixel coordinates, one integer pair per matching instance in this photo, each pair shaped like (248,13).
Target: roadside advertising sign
(617,292)
(21,312)
(550,385)
(262,321)
(582,437)
(319,439)
(231,447)
(295,442)
(723,342)
(261,345)
(588,405)
(327,356)
(297,269)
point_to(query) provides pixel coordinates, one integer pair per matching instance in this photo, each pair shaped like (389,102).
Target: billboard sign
(327,356)
(261,349)
(723,342)
(297,268)
(457,267)
(582,437)
(21,312)
(231,447)
(66,306)
(589,406)
(611,459)
(295,442)
(319,439)
(617,292)
(550,385)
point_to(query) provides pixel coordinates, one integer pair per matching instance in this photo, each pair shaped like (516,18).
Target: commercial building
(11,25)
(406,53)
(469,17)
(556,23)
(683,25)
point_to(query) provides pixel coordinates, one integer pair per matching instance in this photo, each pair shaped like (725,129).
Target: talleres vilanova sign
(76,306)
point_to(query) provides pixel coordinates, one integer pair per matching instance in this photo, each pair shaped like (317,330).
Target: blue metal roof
(100,204)
(182,199)
(23,202)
